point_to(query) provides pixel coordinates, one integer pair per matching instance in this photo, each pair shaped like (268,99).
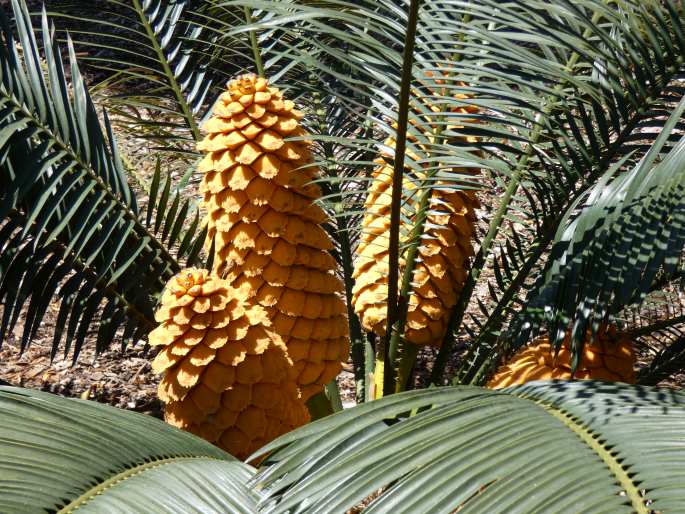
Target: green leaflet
(70,455)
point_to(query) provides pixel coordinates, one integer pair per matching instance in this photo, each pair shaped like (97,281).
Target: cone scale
(610,358)
(267,230)
(227,376)
(440,269)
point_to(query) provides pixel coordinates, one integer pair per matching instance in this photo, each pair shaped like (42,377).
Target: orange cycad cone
(267,231)
(609,358)
(440,269)
(227,376)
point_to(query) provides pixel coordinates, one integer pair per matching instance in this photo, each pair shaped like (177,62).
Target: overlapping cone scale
(266,228)
(440,269)
(227,375)
(609,358)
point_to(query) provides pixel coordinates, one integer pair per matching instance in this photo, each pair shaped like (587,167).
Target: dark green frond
(571,150)
(611,247)
(69,219)
(160,58)
(667,359)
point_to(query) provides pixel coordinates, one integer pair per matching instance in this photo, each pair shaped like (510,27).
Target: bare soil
(119,377)
(122,378)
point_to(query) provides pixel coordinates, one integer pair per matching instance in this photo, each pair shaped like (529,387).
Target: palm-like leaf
(576,143)
(566,89)
(61,455)
(630,229)
(154,54)
(70,223)
(577,447)
(637,139)
(657,327)
(667,359)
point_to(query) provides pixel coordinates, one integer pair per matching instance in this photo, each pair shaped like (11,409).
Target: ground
(122,378)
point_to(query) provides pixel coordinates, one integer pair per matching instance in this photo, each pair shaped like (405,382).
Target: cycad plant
(486,171)
(534,105)
(458,453)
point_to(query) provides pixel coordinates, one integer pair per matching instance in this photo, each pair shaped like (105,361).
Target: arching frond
(627,230)
(155,55)
(578,446)
(69,221)
(564,90)
(64,454)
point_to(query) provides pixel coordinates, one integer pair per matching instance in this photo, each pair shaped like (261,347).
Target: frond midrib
(123,208)
(173,83)
(117,479)
(592,441)
(100,282)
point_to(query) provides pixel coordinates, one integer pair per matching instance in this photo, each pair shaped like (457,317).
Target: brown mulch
(121,378)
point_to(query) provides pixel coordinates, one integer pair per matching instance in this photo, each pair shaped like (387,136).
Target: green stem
(409,354)
(385,378)
(356,333)
(319,406)
(368,370)
(495,319)
(188,116)
(407,357)
(405,293)
(258,64)
(479,262)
